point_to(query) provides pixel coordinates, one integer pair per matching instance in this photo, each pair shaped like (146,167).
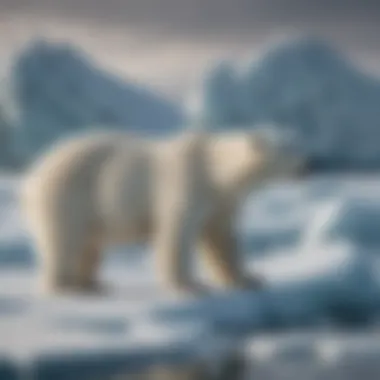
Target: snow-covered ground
(316,244)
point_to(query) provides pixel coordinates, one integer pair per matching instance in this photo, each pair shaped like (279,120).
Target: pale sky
(167,44)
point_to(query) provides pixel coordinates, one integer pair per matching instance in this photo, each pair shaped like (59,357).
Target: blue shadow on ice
(357,222)
(347,295)
(105,363)
(17,253)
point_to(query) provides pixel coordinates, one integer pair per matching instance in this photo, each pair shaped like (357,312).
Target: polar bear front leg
(174,245)
(220,253)
(179,201)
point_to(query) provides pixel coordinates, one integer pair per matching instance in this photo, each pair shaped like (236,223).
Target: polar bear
(178,194)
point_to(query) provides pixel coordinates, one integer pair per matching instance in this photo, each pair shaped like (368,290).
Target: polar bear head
(281,152)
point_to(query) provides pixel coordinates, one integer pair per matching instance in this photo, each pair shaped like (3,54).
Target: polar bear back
(124,191)
(69,176)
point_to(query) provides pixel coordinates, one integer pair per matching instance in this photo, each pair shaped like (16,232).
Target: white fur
(180,194)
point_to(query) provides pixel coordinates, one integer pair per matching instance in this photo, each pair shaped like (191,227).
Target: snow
(315,242)
(317,280)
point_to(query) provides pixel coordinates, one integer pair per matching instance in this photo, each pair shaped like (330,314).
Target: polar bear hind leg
(57,260)
(67,255)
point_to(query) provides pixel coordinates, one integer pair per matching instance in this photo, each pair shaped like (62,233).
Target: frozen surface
(327,275)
